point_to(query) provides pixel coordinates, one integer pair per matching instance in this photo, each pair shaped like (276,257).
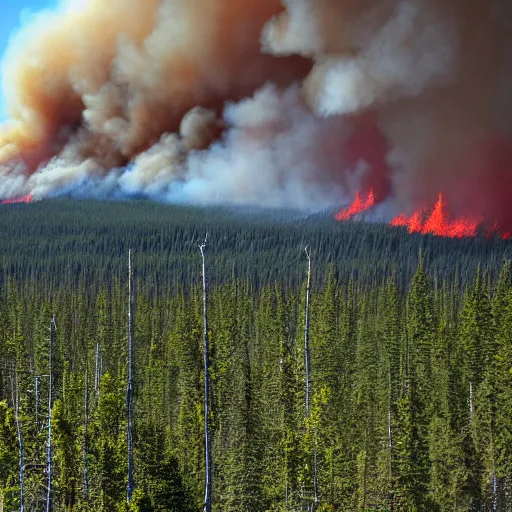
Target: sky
(12,14)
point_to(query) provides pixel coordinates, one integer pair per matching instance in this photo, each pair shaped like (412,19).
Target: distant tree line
(60,243)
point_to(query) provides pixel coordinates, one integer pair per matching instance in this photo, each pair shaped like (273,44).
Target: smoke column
(299,103)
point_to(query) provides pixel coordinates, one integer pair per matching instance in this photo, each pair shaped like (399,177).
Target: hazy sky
(12,13)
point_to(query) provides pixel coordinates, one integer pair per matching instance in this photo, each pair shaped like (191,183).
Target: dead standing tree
(207,450)
(129,387)
(306,328)
(308,369)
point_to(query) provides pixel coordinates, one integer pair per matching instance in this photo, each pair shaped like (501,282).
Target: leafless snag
(307,250)
(207,451)
(129,387)
(306,328)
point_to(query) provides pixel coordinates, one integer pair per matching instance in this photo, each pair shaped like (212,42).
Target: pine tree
(411,440)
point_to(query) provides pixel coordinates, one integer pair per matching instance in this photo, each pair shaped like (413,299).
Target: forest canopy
(410,350)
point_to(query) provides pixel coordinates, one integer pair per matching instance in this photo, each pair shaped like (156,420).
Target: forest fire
(317,99)
(15,200)
(357,206)
(437,223)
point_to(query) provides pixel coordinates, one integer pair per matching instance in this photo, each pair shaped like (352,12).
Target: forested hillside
(410,349)
(64,243)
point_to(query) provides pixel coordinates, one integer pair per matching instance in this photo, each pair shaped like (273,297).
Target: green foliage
(9,490)
(399,345)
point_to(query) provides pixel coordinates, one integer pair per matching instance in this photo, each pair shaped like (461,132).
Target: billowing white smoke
(392,51)
(253,102)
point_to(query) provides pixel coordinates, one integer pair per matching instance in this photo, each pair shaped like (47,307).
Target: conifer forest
(348,366)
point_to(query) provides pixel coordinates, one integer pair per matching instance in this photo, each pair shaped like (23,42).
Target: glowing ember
(358,206)
(24,199)
(438,223)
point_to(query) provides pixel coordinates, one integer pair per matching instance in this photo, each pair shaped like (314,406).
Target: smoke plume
(298,103)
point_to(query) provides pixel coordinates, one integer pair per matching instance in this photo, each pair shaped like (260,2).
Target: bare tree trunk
(20,439)
(50,406)
(207,453)
(307,363)
(129,388)
(86,435)
(306,329)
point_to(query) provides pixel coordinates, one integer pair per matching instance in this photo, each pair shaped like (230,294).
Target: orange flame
(358,206)
(24,199)
(438,223)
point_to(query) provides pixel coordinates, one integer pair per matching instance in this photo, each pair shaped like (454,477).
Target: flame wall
(299,103)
